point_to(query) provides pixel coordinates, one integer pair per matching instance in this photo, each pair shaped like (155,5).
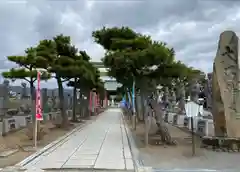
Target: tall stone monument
(226,79)
(208,91)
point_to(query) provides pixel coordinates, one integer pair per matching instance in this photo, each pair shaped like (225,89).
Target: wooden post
(193,137)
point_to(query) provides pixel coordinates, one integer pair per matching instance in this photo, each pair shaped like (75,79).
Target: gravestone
(173,101)
(1,127)
(22,120)
(166,117)
(9,124)
(208,91)
(166,97)
(24,94)
(44,98)
(175,119)
(180,120)
(226,89)
(182,96)
(170,117)
(186,121)
(4,102)
(205,127)
(201,127)
(194,90)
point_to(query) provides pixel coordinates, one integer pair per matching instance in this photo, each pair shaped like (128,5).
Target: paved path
(100,145)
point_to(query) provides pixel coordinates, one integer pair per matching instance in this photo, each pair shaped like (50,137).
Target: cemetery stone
(166,117)
(24,90)
(208,91)
(201,127)
(173,101)
(205,127)
(195,90)
(9,124)
(4,101)
(44,98)
(1,126)
(181,98)
(175,119)
(166,97)
(186,121)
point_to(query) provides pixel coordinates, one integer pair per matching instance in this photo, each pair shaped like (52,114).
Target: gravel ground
(180,156)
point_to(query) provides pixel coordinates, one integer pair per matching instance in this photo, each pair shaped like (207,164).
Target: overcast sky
(192,27)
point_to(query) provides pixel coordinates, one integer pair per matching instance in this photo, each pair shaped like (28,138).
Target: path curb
(138,164)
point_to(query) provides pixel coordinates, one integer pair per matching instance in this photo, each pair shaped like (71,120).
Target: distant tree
(27,70)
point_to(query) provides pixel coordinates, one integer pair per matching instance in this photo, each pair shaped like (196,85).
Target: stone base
(170,117)
(42,132)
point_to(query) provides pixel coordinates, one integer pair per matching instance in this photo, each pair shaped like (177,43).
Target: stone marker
(24,94)
(181,97)
(208,91)
(226,97)
(4,101)
(194,90)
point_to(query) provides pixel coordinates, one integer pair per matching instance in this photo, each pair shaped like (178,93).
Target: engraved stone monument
(226,79)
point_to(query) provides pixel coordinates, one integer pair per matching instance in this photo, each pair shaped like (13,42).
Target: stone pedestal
(10,124)
(180,120)
(205,127)
(170,117)
(186,121)
(22,121)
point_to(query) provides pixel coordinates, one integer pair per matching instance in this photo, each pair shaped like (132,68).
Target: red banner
(39,116)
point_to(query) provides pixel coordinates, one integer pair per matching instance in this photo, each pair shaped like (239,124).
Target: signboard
(39,116)
(192,109)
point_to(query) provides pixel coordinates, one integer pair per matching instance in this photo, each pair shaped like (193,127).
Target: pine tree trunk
(65,121)
(74,118)
(162,128)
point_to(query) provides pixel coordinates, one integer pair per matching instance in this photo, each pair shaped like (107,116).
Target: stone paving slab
(102,145)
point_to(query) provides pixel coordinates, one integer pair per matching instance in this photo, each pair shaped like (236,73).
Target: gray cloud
(192,27)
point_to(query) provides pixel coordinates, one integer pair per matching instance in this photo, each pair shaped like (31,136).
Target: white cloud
(192,27)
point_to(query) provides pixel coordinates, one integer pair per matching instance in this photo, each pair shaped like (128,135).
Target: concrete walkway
(102,144)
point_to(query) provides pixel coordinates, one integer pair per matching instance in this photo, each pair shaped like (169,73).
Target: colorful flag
(39,116)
